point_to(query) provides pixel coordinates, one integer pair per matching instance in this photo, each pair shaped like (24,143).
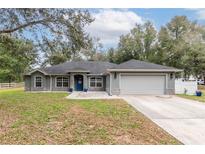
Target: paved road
(182,118)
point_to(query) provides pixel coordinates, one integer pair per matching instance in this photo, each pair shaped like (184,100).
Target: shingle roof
(137,64)
(93,67)
(99,67)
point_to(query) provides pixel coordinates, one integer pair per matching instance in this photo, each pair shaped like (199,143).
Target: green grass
(193,97)
(50,118)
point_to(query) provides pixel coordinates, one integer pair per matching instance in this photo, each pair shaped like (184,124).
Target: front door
(78,82)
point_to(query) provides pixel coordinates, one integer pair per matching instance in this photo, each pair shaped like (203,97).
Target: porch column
(72,81)
(85,81)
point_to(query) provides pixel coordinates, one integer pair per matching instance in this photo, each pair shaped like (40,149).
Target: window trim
(61,81)
(96,82)
(35,81)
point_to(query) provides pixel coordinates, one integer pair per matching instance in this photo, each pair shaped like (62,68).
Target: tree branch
(24,26)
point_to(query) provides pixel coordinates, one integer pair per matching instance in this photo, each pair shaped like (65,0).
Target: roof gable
(37,70)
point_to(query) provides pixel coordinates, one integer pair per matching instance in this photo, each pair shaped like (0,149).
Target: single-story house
(131,77)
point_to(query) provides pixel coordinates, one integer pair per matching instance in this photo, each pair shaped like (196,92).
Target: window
(38,81)
(96,82)
(171,76)
(61,82)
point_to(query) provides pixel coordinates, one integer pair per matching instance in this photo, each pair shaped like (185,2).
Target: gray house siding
(48,81)
(44,85)
(27,83)
(115,84)
(170,84)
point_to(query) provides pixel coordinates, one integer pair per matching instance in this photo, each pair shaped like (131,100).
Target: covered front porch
(78,81)
(83,81)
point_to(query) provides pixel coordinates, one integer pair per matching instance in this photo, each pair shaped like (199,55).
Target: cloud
(109,24)
(200,14)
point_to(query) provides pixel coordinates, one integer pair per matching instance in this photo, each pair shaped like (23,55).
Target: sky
(110,24)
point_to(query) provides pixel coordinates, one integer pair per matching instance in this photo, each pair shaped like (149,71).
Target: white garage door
(136,84)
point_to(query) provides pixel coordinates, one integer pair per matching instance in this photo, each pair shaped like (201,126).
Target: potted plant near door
(70,90)
(198,93)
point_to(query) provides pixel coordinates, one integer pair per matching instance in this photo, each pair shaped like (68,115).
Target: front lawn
(49,118)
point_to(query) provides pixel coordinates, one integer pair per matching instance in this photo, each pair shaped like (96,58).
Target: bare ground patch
(50,119)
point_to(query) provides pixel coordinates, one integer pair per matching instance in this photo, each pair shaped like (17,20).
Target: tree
(194,61)
(180,44)
(49,29)
(178,26)
(138,44)
(16,56)
(111,55)
(94,51)
(149,40)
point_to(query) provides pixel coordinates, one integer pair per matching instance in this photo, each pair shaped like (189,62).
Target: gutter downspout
(166,83)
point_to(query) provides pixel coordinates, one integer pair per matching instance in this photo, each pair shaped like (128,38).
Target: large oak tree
(59,33)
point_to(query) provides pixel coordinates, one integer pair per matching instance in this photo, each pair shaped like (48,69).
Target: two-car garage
(142,84)
(143,78)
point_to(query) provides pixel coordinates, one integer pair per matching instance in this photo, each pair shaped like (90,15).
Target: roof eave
(80,71)
(144,70)
(99,74)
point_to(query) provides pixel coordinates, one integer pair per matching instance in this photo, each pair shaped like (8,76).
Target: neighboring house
(131,77)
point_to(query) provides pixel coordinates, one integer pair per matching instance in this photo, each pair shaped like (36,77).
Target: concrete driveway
(182,118)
